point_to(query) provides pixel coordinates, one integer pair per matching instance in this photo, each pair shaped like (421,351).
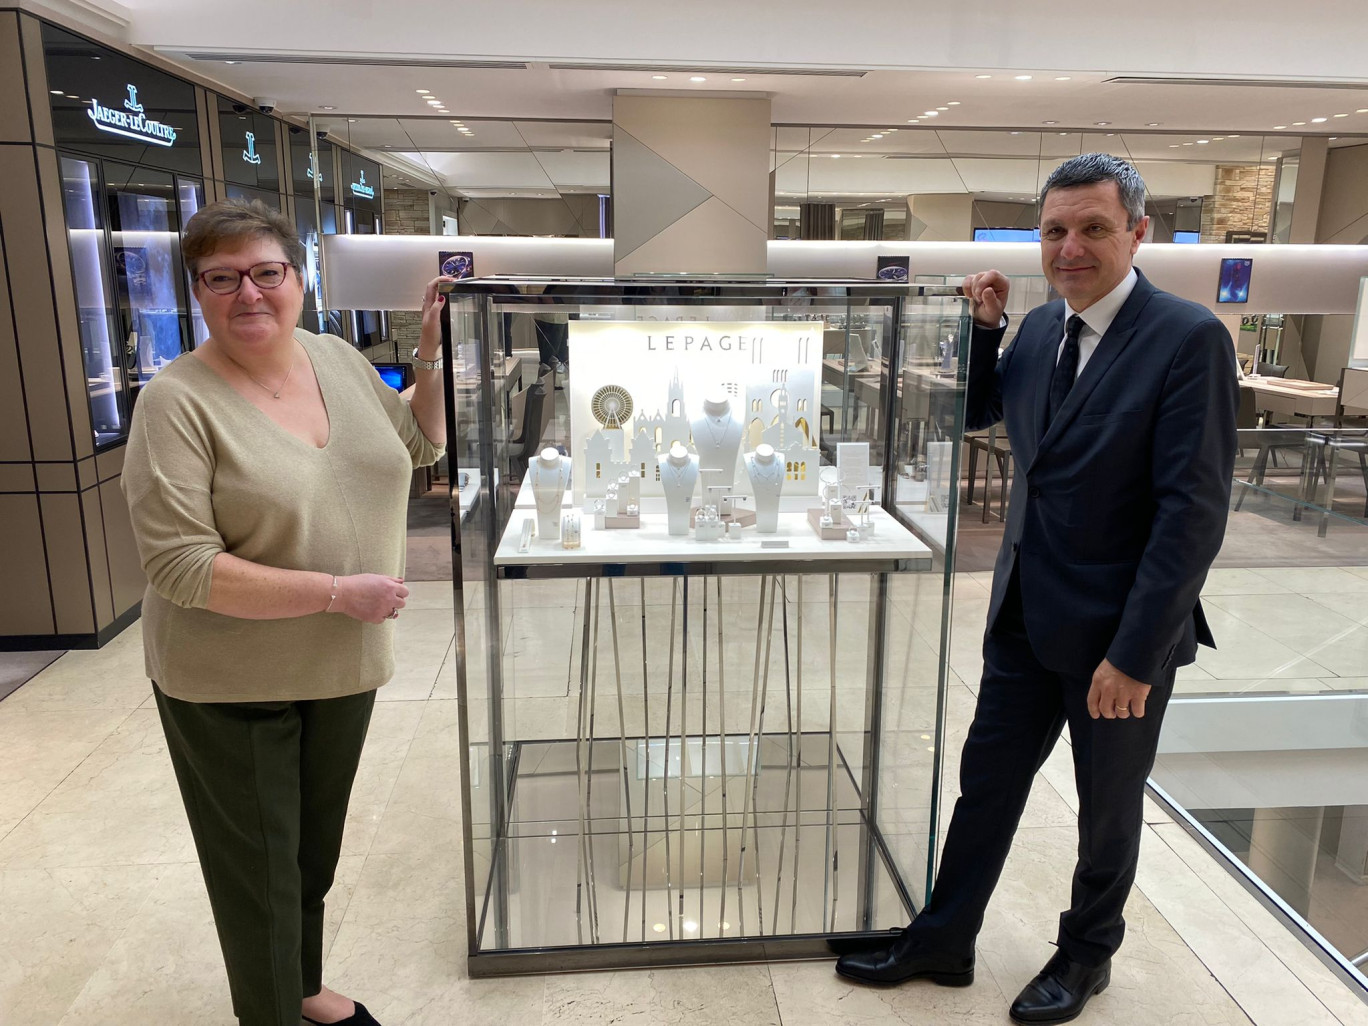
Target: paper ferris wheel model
(611,406)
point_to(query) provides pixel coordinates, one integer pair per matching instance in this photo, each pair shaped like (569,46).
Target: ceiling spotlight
(56,92)
(1173,146)
(421,92)
(231,62)
(1362,110)
(1022,78)
(1101,124)
(1013,133)
(931,114)
(1298,124)
(434,103)
(1187,144)
(835,156)
(1278,128)
(1232,136)
(328,107)
(953,103)
(1049,122)
(1203,142)
(351,121)
(914,121)
(660,78)
(1153,124)
(697,78)
(1063,78)
(1341,115)
(738,80)
(942,108)
(1317,121)
(690,926)
(983,76)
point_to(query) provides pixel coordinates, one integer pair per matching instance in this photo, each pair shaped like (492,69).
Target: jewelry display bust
(766,472)
(678,479)
(717,439)
(549,474)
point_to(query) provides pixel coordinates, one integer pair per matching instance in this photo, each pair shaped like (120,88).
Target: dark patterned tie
(1065,370)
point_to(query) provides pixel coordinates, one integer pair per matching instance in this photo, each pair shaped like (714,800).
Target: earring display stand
(683,746)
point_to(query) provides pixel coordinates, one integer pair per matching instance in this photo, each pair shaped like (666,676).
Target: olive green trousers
(266,786)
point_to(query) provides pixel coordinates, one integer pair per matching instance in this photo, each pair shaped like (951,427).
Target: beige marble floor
(104,920)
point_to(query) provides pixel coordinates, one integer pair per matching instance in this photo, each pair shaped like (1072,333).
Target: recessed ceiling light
(56,92)
(1232,136)
(1362,110)
(1317,121)
(1187,144)
(1341,115)
(1278,128)
(983,76)
(434,103)
(1063,133)
(1063,78)
(1013,133)
(1333,138)
(1298,124)
(942,108)
(931,114)
(1173,146)
(835,156)
(230,62)
(1203,142)
(914,121)
(1022,78)
(327,108)
(1101,124)
(1153,124)
(443,110)
(953,103)
(876,136)
(1049,122)
(738,80)
(420,91)
(351,121)
(660,78)
(697,78)
(887,130)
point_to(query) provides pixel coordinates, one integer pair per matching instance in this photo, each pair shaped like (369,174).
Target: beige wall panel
(14,438)
(25,603)
(1344,196)
(125,570)
(14,119)
(64,291)
(27,262)
(712,238)
(39,108)
(202,114)
(215,139)
(87,473)
(110,463)
(95,554)
(66,557)
(17,477)
(723,145)
(56,477)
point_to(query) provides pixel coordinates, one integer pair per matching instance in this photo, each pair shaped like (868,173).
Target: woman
(267,474)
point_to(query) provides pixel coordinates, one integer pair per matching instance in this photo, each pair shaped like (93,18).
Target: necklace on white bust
(717,427)
(679,472)
(767,472)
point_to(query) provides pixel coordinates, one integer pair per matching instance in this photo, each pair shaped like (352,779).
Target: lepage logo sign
(131,122)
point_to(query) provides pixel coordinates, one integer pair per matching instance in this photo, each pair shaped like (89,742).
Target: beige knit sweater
(207,472)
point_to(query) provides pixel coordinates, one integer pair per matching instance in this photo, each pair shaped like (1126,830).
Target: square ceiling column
(690,184)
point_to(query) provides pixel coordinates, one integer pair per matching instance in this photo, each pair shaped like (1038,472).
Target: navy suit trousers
(1022,708)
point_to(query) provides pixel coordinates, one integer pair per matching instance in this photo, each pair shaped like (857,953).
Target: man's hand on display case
(987,293)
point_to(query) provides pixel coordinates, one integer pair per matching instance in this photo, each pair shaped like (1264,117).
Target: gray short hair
(1091,168)
(232,222)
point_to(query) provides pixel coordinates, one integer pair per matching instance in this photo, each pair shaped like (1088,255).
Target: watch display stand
(697,725)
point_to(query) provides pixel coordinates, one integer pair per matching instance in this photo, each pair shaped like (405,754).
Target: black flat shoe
(907,959)
(1059,992)
(360,1017)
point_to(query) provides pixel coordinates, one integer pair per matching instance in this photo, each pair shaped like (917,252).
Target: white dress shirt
(1097,319)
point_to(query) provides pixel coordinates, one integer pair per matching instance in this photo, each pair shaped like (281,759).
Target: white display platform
(466,496)
(652,542)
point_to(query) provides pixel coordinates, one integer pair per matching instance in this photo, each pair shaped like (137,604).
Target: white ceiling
(864,66)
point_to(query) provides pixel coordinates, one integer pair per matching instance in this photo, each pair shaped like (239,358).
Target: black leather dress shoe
(360,1017)
(907,959)
(1059,992)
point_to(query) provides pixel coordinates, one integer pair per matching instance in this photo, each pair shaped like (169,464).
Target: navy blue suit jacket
(1118,508)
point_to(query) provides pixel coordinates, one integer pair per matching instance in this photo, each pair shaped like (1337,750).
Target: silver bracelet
(333,597)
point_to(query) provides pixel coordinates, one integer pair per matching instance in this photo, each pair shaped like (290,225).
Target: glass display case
(702,613)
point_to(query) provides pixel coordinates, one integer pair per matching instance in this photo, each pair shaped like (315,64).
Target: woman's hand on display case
(987,293)
(433,301)
(371,598)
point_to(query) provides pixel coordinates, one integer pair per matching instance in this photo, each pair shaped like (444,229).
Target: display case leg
(622,753)
(832,860)
(722,756)
(665,775)
(581,868)
(703,775)
(798,790)
(683,737)
(646,743)
(788,764)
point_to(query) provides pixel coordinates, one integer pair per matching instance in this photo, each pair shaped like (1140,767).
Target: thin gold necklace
(275,392)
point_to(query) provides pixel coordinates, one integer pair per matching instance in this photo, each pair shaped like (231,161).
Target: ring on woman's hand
(393,614)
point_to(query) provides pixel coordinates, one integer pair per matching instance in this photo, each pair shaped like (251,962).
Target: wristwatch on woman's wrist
(422,364)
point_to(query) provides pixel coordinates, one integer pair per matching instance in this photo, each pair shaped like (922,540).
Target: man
(1120,403)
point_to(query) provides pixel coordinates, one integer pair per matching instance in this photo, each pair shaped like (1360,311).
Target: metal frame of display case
(482,518)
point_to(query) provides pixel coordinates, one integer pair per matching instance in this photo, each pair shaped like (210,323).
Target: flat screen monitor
(1234,284)
(1006,234)
(397,375)
(1187,236)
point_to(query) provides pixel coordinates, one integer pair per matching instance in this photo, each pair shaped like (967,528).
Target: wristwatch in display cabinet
(702,725)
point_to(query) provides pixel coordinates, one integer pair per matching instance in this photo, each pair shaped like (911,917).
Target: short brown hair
(232,222)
